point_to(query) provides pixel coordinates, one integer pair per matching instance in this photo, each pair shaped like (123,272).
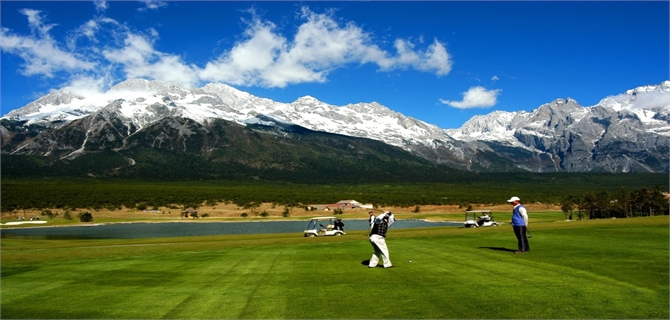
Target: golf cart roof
(471,211)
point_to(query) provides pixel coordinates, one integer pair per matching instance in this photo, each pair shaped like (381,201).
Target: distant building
(341,205)
(348,204)
(190,212)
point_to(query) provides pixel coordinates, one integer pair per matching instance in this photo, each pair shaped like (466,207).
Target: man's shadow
(498,249)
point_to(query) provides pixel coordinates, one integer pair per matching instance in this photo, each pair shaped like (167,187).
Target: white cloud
(88,86)
(650,100)
(320,45)
(153,4)
(41,54)
(103,47)
(35,22)
(139,59)
(438,59)
(88,31)
(100,5)
(495,78)
(247,61)
(475,97)
(434,59)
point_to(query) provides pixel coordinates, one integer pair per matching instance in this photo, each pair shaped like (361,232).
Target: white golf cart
(313,229)
(479,218)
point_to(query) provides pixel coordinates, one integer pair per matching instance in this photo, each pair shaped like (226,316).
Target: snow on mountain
(554,130)
(646,97)
(492,126)
(144,102)
(651,104)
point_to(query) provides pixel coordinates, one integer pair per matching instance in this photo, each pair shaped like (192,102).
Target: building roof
(347,201)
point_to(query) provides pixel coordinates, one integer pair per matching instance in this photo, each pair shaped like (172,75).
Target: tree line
(94,194)
(640,202)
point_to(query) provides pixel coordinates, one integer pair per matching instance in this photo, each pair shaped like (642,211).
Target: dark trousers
(520,232)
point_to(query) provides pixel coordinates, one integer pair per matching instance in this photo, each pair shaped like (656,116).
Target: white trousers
(379,244)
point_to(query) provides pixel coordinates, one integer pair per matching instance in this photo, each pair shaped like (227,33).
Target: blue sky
(439,61)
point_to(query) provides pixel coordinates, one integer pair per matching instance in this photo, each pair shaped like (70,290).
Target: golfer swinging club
(520,224)
(378,230)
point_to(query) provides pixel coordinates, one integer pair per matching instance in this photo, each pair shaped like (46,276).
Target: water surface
(185,229)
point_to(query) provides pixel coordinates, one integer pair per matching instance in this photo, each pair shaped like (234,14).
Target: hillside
(180,148)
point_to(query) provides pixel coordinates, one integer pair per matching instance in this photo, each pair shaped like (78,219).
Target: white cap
(512,199)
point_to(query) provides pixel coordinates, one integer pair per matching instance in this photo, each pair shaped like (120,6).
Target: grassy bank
(580,269)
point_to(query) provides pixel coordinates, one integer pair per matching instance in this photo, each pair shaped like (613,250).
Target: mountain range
(141,126)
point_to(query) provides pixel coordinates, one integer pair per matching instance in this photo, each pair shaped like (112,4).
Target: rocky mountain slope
(624,133)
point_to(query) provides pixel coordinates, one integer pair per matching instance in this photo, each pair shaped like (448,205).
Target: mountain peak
(157,86)
(494,125)
(307,100)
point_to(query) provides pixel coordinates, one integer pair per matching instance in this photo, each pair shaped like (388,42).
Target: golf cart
(479,218)
(313,229)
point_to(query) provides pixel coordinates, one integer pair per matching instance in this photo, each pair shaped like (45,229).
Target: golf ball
(410,261)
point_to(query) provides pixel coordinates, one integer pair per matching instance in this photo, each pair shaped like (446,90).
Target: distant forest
(591,195)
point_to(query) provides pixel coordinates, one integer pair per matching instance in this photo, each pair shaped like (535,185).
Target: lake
(186,229)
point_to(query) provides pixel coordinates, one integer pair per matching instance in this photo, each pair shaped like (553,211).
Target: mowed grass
(579,269)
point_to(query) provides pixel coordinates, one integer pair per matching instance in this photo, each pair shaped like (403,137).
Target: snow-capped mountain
(143,102)
(626,132)
(622,133)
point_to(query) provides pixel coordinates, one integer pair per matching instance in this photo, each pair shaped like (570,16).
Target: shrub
(85,217)
(67,215)
(244,215)
(264,214)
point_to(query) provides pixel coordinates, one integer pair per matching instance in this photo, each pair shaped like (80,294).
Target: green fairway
(614,268)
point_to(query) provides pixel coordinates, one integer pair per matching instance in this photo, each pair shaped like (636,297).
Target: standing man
(339,225)
(378,239)
(520,224)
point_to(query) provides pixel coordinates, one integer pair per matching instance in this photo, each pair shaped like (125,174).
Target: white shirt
(523,213)
(379,218)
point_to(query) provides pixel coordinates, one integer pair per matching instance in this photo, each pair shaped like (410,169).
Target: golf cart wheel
(311,235)
(338,234)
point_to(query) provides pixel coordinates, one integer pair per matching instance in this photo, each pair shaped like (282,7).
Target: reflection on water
(185,229)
